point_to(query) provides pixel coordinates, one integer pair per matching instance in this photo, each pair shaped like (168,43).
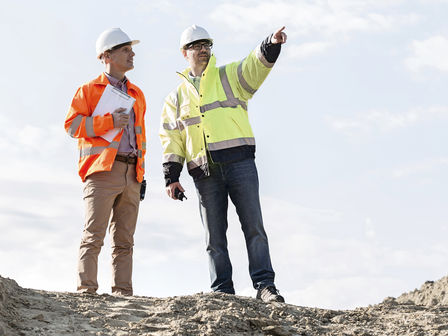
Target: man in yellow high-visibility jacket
(205,123)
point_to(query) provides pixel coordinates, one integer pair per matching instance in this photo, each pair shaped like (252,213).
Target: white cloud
(369,228)
(429,53)
(378,120)
(425,167)
(304,18)
(433,1)
(306,50)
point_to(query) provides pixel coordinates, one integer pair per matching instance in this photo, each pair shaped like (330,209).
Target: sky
(351,139)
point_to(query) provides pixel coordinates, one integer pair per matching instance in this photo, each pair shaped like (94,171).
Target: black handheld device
(179,194)
(143,190)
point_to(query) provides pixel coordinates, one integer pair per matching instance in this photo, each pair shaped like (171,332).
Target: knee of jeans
(216,248)
(254,231)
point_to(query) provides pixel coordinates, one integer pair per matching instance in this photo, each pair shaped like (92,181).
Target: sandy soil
(422,312)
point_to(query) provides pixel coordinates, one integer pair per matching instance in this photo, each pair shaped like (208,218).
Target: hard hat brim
(132,42)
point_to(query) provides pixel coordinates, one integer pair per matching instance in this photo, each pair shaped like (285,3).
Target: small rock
(39,317)
(276,330)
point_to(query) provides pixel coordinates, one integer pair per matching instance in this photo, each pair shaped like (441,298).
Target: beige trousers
(114,196)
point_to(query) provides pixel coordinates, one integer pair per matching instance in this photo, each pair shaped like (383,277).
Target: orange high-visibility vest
(95,153)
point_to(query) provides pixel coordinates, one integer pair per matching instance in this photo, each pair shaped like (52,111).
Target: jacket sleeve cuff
(270,51)
(171,172)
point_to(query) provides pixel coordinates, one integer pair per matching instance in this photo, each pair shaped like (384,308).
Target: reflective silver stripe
(91,151)
(231,143)
(138,130)
(170,126)
(197,162)
(261,57)
(243,82)
(144,145)
(114,144)
(139,153)
(177,104)
(97,150)
(225,83)
(74,125)
(226,103)
(191,121)
(173,158)
(89,127)
(143,165)
(211,106)
(183,123)
(231,101)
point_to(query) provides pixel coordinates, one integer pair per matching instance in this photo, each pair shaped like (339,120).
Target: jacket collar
(102,80)
(211,64)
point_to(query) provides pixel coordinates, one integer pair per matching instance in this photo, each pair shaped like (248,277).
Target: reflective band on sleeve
(231,143)
(184,123)
(191,121)
(97,150)
(139,153)
(261,57)
(144,145)
(74,125)
(243,82)
(173,158)
(138,130)
(170,126)
(143,165)
(197,162)
(89,127)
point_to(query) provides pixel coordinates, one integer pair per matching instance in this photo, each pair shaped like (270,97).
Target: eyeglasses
(198,46)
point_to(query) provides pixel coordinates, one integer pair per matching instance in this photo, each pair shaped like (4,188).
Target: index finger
(280,30)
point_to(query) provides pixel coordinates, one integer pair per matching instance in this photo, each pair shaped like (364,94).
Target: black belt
(127,159)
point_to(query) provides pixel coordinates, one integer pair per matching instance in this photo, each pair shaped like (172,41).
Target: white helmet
(193,33)
(111,38)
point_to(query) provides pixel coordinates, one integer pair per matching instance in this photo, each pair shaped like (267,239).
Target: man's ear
(184,53)
(106,57)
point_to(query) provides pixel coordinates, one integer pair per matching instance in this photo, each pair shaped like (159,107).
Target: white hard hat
(111,38)
(193,33)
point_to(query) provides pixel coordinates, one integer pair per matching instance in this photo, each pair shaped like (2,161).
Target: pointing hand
(279,36)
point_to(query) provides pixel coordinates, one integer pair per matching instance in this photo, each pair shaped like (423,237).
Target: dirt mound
(430,294)
(29,312)
(9,290)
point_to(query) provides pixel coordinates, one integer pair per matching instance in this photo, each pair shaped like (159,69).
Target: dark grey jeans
(239,180)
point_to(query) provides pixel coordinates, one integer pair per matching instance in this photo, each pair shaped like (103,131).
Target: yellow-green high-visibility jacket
(215,118)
